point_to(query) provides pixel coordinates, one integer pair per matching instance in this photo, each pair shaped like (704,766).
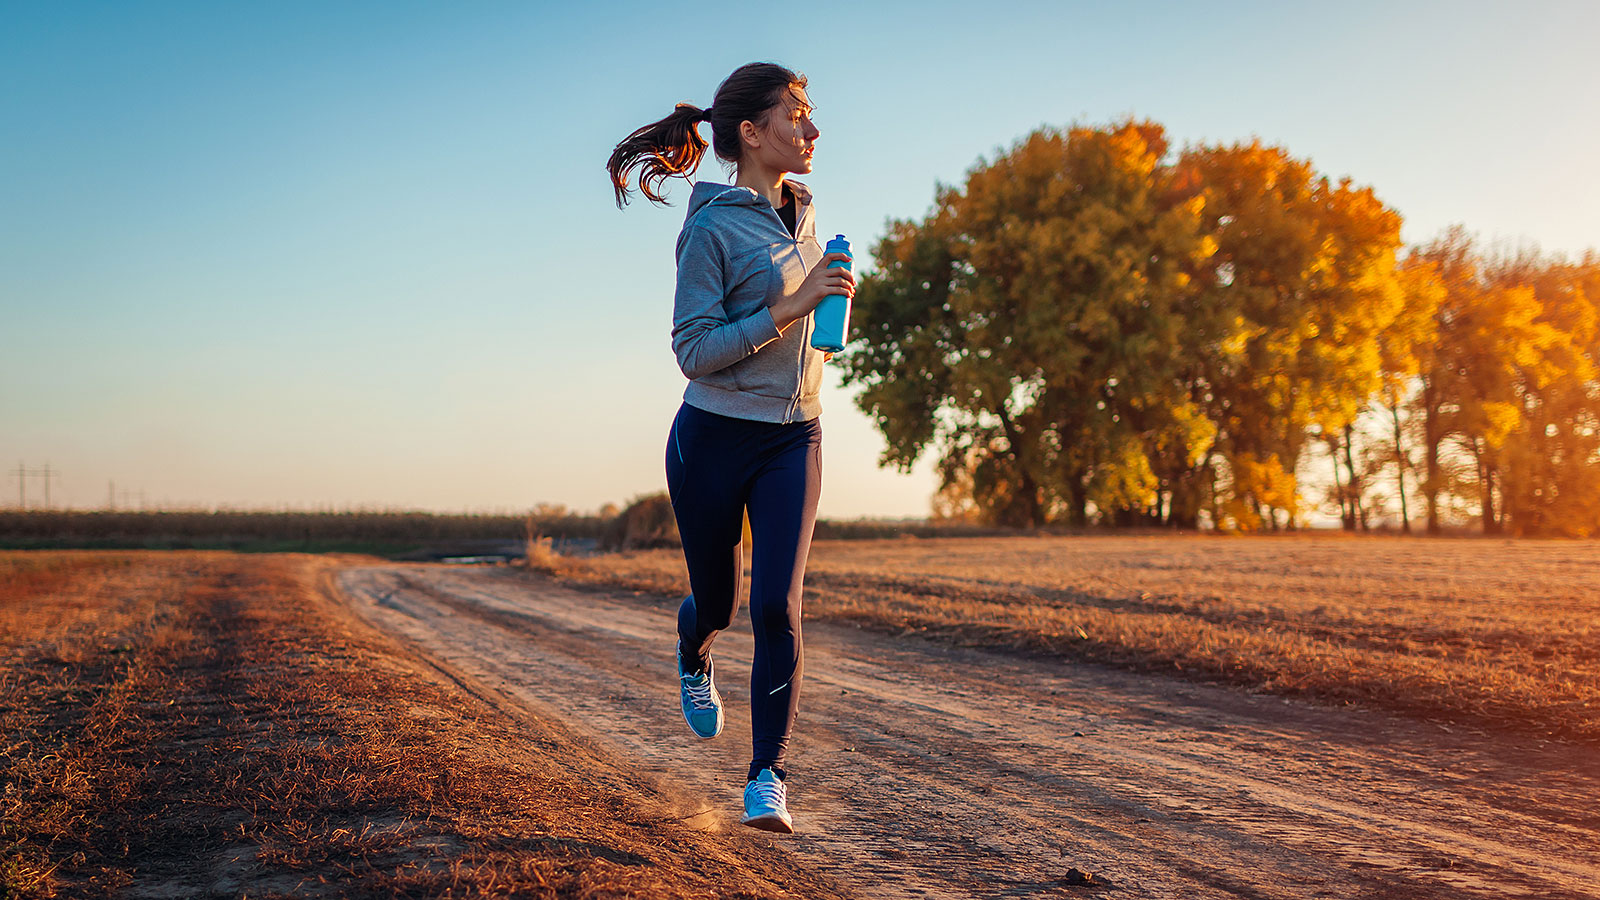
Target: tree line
(1096,328)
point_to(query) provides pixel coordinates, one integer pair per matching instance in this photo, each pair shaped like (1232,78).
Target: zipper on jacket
(800,367)
(805,334)
(800,363)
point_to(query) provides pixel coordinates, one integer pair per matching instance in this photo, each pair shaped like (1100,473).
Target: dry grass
(1492,632)
(288,531)
(212,725)
(539,554)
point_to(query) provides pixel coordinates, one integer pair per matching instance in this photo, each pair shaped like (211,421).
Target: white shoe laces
(769,793)
(700,695)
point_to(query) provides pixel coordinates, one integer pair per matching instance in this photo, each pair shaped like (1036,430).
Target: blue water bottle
(832,316)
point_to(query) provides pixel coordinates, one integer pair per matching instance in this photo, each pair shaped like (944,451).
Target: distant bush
(647,522)
(540,555)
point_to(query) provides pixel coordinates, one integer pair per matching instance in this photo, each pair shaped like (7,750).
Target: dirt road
(921,770)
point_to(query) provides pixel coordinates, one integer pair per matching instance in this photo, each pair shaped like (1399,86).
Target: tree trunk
(1346,520)
(1032,505)
(1486,514)
(1078,507)
(1357,509)
(1430,440)
(1183,505)
(1077,498)
(1491,520)
(1400,467)
(1211,490)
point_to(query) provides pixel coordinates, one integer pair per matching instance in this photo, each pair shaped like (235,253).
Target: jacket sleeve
(702,337)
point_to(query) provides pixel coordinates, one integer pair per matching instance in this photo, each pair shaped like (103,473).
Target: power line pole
(23,473)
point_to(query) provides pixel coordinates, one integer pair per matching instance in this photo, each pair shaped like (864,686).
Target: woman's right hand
(820,282)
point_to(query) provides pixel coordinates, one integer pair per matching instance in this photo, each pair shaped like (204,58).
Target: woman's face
(789,136)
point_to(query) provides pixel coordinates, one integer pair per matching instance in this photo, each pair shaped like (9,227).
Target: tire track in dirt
(920,770)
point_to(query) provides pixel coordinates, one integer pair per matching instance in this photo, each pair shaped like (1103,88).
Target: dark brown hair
(673,146)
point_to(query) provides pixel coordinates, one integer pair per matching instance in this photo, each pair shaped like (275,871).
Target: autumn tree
(1037,330)
(1090,325)
(1550,479)
(1305,274)
(1450,257)
(1405,348)
(1500,352)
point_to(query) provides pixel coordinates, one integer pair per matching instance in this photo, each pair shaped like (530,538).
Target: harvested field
(205,724)
(926,771)
(209,725)
(1487,634)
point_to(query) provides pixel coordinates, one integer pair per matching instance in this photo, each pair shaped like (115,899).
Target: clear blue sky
(365,254)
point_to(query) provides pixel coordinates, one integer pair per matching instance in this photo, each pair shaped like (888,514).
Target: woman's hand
(820,282)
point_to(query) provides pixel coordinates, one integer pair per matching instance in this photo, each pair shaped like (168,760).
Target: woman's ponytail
(660,150)
(673,146)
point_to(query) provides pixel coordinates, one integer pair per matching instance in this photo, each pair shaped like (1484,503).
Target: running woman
(748,436)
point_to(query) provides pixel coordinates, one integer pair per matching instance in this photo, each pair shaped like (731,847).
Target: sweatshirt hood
(711,193)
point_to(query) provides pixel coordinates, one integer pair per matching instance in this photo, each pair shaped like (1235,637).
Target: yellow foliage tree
(1305,272)
(1550,482)
(1406,348)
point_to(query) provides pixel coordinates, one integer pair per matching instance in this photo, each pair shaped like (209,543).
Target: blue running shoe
(766,804)
(702,705)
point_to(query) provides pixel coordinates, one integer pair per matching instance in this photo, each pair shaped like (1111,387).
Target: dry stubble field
(207,724)
(214,725)
(1470,633)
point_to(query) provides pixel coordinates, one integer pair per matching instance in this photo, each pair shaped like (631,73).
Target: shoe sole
(770,823)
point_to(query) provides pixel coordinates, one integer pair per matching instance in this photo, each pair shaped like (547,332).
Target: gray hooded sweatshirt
(735,259)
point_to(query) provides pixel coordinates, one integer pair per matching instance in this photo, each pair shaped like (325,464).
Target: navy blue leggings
(717,467)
